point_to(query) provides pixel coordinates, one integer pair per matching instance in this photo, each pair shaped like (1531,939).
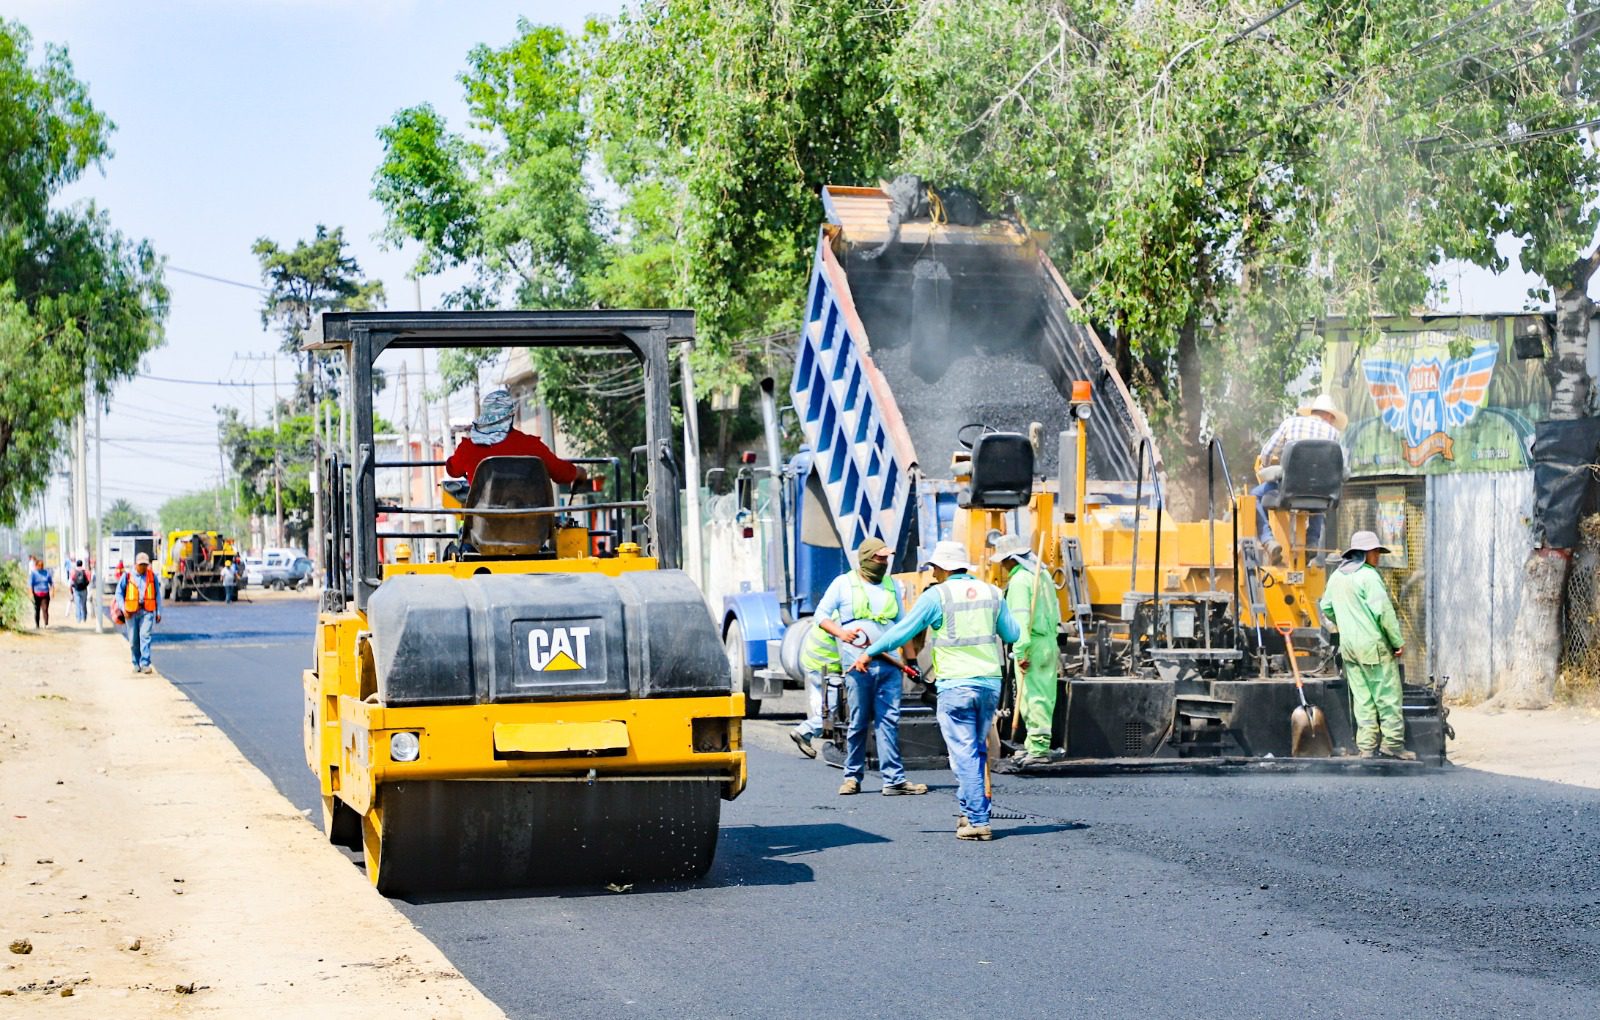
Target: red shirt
(464,462)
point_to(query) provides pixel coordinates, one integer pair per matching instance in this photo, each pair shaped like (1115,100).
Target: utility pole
(277,459)
(427,433)
(99,496)
(405,431)
(80,486)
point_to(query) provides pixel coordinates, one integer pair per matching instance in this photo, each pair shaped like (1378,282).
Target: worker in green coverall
(1357,603)
(1031,597)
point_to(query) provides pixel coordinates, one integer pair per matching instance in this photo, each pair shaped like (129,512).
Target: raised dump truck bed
(912,333)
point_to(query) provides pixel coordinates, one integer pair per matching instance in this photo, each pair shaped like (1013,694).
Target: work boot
(1369,754)
(148,669)
(1400,755)
(849,786)
(803,742)
(1028,758)
(978,832)
(905,790)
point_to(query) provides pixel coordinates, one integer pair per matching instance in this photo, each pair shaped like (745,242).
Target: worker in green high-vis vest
(1031,597)
(1357,603)
(857,607)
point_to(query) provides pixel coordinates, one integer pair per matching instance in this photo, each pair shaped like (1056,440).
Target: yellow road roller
(548,703)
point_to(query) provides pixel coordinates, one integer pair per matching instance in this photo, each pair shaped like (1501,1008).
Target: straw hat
(1324,403)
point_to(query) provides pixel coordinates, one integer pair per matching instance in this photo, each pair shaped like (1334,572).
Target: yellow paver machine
(550,703)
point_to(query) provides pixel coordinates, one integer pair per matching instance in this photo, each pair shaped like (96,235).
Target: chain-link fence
(1580,652)
(1459,541)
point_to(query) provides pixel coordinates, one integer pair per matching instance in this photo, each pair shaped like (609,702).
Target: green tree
(267,461)
(725,156)
(78,300)
(122,515)
(511,203)
(313,277)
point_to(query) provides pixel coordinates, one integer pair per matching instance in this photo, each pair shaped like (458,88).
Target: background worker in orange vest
(139,600)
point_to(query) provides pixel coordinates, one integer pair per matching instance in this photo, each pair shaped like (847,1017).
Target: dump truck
(549,703)
(192,566)
(948,386)
(120,549)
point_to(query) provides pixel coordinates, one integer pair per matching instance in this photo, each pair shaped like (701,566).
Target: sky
(238,119)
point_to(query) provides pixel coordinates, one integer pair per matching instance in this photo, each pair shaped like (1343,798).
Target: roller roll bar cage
(361,337)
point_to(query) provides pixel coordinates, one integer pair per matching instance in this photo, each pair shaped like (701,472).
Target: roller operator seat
(509,483)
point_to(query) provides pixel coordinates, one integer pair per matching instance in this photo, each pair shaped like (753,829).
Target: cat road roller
(548,703)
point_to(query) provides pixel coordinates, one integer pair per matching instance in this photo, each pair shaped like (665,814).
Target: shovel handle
(1287,630)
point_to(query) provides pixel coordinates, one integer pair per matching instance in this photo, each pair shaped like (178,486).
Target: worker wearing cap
(493,436)
(1356,601)
(139,598)
(968,621)
(856,608)
(1031,597)
(1320,419)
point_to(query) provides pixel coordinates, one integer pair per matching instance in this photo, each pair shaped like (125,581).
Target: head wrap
(493,422)
(867,561)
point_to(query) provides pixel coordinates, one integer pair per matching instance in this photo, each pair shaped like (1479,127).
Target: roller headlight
(404,747)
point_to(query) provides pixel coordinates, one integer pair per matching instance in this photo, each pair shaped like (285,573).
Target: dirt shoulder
(1561,745)
(154,872)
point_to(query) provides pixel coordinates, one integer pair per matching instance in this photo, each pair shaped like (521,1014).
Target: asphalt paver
(1437,893)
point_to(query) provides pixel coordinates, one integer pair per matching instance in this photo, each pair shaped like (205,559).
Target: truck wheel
(739,666)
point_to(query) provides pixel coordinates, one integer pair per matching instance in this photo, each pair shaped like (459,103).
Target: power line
(1526,136)
(198,382)
(218,279)
(1263,21)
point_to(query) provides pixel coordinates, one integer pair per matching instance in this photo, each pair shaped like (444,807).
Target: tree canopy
(80,303)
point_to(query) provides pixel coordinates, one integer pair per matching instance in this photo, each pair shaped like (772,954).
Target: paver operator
(968,621)
(1357,603)
(1320,419)
(857,607)
(1030,595)
(139,598)
(493,436)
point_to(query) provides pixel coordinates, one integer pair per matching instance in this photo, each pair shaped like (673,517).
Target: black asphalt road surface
(1441,893)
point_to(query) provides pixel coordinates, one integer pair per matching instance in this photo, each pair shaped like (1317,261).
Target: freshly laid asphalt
(1438,893)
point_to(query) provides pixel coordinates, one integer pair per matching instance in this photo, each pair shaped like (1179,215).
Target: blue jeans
(141,626)
(965,715)
(228,592)
(1264,533)
(874,694)
(80,603)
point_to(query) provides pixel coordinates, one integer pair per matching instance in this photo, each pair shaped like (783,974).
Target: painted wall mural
(1438,396)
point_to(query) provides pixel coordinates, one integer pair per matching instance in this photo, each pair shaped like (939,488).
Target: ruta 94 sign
(1437,396)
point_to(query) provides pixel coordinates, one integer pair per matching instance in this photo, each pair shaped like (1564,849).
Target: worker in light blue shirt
(970,625)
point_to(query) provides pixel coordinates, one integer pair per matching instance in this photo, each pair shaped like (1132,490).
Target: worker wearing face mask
(855,610)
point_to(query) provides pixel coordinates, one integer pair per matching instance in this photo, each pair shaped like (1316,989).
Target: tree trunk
(1529,678)
(1186,471)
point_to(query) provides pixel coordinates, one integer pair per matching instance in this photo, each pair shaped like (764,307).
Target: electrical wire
(199,382)
(218,279)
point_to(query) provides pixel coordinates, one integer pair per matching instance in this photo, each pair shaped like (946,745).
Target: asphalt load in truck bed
(1007,392)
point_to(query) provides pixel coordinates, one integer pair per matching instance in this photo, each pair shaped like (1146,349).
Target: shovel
(1308,727)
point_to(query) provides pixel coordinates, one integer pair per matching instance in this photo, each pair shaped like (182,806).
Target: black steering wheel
(961,434)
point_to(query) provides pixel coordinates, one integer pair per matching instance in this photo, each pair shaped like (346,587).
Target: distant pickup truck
(280,574)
